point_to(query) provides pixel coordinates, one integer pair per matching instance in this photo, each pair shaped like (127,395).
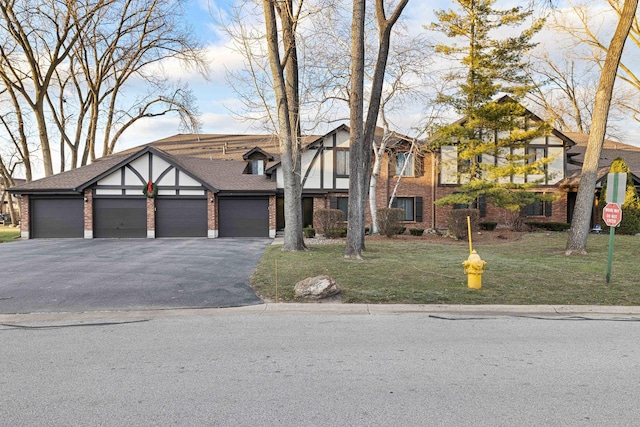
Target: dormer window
(257,167)
(257,160)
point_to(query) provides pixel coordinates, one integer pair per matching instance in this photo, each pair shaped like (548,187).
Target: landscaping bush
(327,219)
(309,232)
(457,222)
(549,226)
(488,225)
(630,223)
(335,233)
(401,230)
(416,231)
(389,221)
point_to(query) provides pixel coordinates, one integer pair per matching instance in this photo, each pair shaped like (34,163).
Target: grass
(8,234)
(532,270)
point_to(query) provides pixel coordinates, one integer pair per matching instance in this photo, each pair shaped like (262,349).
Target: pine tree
(492,138)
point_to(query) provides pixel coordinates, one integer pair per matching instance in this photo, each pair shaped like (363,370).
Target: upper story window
(342,162)
(454,170)
(404,164)
(257,167)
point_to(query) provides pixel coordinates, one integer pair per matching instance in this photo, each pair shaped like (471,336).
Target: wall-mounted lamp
(86,199)
(212,200)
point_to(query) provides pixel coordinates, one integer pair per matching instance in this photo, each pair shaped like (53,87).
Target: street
(242,368)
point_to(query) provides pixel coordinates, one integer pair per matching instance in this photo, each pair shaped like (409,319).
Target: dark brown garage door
(243,217)
(120,218)
(57,217)
(181,218)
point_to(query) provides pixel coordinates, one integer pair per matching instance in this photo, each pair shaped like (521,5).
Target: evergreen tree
(492,138)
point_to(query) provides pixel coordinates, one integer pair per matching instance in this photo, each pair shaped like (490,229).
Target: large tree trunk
(577,242)
(289,128)
(359,178)
(355,226)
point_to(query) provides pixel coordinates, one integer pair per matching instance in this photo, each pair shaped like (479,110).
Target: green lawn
(532,270)
(8,234)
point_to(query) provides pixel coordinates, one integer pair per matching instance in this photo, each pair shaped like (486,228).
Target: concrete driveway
(75,275)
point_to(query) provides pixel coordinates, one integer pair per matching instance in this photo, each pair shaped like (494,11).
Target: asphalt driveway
(76,275)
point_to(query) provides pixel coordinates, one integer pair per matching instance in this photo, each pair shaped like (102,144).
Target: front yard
(8,234)
(530,268)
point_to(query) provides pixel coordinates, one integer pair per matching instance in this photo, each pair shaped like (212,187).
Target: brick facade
(151,217)
(88,214)
(25,216)
(272,216)
(212,218)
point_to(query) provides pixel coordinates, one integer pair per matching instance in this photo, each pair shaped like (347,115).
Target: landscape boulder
(318,287)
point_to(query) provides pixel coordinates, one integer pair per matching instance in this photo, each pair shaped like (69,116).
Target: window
(257,167)
(480,203)
(401,159)
(342,203)
(412,207)
(406,204)
(538,208)
(449,164)
(342,162)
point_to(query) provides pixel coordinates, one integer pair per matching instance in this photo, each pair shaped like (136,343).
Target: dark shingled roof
(214,159)
(70,181)
(610,151)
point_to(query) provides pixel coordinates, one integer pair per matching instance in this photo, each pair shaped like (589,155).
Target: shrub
(335,233)
(389,221)
(416,231)
(457,222)
(327,219)
(488,225)
(630,223)
(549,226)
(401,230)
(309,232)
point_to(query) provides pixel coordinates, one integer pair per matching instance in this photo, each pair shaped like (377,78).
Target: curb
(271,308)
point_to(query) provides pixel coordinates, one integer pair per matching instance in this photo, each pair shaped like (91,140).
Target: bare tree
(285,78)
(362,133)
(67,63)
(577,241)
(42,36)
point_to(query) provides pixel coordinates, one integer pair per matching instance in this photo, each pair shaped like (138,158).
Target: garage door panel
(57,218)
(181,218)
(120,218)
(243,217)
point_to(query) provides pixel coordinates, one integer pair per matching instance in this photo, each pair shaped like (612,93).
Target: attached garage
(56,217)
(181,217)
(243,217)
(120,217)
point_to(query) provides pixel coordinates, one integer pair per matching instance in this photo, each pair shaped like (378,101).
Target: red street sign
(612,214)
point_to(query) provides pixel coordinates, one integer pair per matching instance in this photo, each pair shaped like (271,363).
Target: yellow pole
(469,233)
(276,279)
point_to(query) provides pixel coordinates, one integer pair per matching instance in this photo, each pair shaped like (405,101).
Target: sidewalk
(271,308)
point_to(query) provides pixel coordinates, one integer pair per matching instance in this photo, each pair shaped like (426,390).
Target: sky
(216,98)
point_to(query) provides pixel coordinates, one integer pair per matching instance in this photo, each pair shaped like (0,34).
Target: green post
(612,230)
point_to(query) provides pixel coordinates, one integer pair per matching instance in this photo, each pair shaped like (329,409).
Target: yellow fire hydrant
(473,268)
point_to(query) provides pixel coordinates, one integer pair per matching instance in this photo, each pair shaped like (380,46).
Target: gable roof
(610,151)
(214,174)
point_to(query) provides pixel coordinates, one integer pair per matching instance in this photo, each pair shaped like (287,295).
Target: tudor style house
(232,186)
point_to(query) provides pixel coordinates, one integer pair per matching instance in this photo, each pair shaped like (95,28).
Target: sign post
(612,212)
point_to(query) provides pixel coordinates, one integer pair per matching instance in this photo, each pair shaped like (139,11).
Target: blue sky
(215,96)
